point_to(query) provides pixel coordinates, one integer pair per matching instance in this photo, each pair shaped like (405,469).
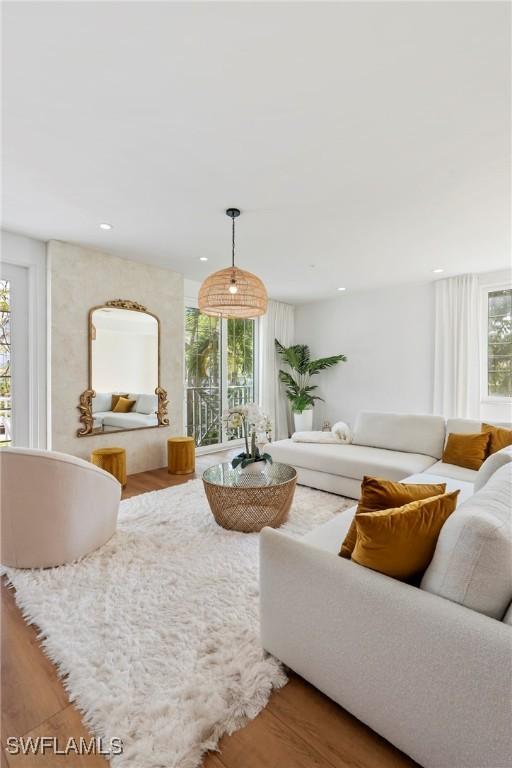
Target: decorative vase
(254,468)
(303,421)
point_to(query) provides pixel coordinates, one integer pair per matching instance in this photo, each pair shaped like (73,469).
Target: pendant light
(233,292)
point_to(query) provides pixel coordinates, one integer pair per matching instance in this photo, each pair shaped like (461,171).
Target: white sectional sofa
(387,445)
(143,413)
(430,674)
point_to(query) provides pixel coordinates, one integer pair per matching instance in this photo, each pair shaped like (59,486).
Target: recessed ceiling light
(342,289)
(104,225)
(438,270)
(203,258)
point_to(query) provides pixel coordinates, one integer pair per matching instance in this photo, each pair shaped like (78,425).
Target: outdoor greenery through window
(499,343)
(220,373)
(5,364)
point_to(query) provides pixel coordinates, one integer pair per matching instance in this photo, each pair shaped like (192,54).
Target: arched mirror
(124,389)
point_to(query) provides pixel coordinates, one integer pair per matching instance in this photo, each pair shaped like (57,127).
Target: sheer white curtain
(278,323)
(457,347)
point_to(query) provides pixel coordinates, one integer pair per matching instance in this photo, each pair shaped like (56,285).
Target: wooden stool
(112,460)
(181,455)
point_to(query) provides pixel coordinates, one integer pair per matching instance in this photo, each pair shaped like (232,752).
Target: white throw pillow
(491,464)
(102,402)
(472,564)
(146,404)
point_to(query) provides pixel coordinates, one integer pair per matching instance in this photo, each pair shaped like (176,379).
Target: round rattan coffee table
(248,502)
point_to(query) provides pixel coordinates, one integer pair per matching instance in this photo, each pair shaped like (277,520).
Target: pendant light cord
(233,244)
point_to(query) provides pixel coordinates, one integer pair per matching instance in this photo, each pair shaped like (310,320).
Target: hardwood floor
(300,727)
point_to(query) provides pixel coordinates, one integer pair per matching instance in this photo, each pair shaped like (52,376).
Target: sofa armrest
(431,676)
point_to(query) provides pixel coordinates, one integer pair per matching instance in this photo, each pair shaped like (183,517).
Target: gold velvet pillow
(115,400)
(467,451)
(400,542)
(124,405)
(498,437)
(377,494)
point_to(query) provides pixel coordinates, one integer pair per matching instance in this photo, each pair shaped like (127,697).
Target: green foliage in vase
(297,379)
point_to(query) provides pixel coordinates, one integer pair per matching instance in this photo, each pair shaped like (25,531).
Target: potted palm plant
(297,380)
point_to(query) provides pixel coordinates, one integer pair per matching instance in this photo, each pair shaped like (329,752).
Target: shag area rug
(156,634)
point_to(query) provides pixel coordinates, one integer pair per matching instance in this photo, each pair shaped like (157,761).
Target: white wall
(191,291)
(387,336)
(82,278)
(30,254)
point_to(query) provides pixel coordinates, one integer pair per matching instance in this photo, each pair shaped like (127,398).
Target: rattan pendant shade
(250,300)
(233,292)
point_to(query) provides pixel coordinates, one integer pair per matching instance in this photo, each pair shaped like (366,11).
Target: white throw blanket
(340,434)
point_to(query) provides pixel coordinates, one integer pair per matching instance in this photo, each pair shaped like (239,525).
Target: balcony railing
(204,411)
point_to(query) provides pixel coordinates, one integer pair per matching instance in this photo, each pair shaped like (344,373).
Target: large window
(220,372)
(499,343)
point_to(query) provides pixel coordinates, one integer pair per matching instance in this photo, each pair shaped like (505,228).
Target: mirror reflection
(124,369)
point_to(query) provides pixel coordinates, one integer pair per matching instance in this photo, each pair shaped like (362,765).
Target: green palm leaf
(315,366)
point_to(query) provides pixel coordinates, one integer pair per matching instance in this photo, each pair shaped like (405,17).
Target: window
(240,364)
(5,364)
(220,372)
(499,343)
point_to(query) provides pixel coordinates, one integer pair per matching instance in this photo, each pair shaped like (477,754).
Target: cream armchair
(54,507)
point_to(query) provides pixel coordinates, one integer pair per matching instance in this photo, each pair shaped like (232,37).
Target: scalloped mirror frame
(85,402)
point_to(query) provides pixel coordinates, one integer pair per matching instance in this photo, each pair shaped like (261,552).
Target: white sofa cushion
(453,471)
(471,426)
(353,461)
(146,404)
(129,420)
(472,564)
(508,616)
(411,433)
(102,401)
(466,489)
(491,464)
(330,535)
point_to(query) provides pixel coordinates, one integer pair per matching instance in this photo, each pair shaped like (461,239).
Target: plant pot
(303,421)
(254,468)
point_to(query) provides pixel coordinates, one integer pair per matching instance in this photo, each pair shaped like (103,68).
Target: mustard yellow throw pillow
(498,437)
(378,494)
(115,400)
(400,542)
(467,451)
(124,405)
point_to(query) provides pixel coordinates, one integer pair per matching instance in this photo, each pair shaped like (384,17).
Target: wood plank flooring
(300,728)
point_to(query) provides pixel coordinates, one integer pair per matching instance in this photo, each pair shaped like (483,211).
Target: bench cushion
(412,433)
(443,469)
(352,461)
(330,535)
(129,420)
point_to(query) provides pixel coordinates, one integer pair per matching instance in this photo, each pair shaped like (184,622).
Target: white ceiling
(371,140)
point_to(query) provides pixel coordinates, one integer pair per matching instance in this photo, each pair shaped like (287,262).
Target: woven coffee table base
(250,509)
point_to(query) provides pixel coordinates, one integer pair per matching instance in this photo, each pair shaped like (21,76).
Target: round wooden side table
(247,502)
(181,455)
(112,460)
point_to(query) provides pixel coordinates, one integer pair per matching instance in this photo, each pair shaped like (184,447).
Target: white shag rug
(156,634)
